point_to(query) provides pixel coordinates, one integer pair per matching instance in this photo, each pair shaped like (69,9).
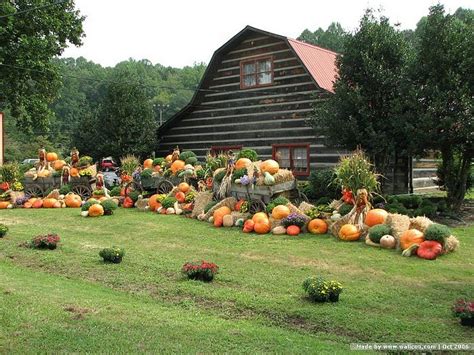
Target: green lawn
(68,300)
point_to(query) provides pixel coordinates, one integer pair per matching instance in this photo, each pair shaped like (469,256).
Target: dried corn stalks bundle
(200,202)
(305,207)
(420,223)
(224,187)
(398,223)
(451,244)
(356,216)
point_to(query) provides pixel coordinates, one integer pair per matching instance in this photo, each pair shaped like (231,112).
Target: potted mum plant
(335,289)
(200,270)
(3,230)
(464,310)
(49,241)
(112,255)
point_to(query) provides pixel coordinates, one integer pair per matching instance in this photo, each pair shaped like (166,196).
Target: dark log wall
(225,115)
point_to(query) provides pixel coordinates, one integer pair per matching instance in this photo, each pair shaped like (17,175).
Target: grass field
(68,300)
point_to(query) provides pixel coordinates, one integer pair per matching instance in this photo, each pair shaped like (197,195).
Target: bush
(129,163)
(409,201)
(238,173)
(319,290)
(378,231)
(293,219)
(115,191)
(187,154)
(191,160)
(396,207)
(437,232)
(320,184)
(10,172)
(200,270)
(323,201)
(65,189)
(158,161)
(112,255)
(3,230)
(280,200)
(249,154)
(209,206)
(109,206)
(146,173)
(168,202)
(345,209)
(86,205)
(426,208)
(49,241)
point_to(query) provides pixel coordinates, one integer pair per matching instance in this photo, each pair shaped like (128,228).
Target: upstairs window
(294,157)
(256,72)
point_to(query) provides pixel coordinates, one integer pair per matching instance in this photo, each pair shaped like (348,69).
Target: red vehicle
(108,164)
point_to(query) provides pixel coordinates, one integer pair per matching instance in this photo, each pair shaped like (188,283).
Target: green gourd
(268,179)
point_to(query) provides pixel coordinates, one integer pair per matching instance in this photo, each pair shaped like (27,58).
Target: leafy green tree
(443,77)
(31,34)
(368,107)
(332,38)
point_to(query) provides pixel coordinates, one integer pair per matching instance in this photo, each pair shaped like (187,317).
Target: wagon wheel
(165,187)
(33,191)
(83,191)
(256,205)
(133,186)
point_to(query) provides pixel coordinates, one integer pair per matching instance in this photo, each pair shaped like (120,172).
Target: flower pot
(334,298)
(117,260)
(467,322)
(51,246)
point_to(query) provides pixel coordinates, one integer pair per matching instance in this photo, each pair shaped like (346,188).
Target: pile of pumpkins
(268,168)
(61,201)
(179,206)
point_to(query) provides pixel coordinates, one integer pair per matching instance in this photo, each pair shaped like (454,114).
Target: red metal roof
(320,62)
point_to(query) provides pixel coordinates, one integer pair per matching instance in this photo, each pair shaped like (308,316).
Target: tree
(367,108)
(443,77)
(332,38)
(31,34)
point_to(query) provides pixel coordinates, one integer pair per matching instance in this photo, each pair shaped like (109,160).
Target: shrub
(396,207)
(426,208)
(10,172)
(129,163)
(209,206)
(238,173)
(158,161)
(146,173)
(463,309)
(293,219)
(112,255)
(378,231)
(85,160)
(280,200)
(86,205)
(65,189)
(438,232)
(409,201)
(200,270)
(3,230)
(249,154)
(319,290)
(109,206)
(116,190)
(168,202)
(323,200)
(49,241)
(191,160)
(345,209)
(320,184)
(187,154)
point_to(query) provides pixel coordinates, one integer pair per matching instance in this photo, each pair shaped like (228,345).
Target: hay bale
(283,175)
(451,244)
(398,223)
(237,215)
(305,207)
(274,222)
(200,202)
(420,223)
(229,202)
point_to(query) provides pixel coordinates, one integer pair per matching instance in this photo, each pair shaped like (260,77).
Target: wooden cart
(83,186)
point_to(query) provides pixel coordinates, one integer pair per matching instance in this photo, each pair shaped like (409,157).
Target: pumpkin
(409,237)
(177,209)
(239,222)
(177,165)
(293,230)
(37,204)
(248,226)
(376,216)
(180,196)
(218,221)
(161,210)
(262,226)
(221,212)
(44,173)
(157,168)
(280,212)
(59,204)
(72,200)
(349,232)
(259,216)
(51,156)
(268,179)
(183,187)
(148,164)
(127,203)
(388,242)
(228,221)
(96,210)
(27,204)
(49,202)
(279,230)
(74,172)
(238,205)
(170,210)
(429,249)
(4,204)
(84,213)
(242,163)
(317,226)
(59,165)
(153,202)
(270,166)
(32,200)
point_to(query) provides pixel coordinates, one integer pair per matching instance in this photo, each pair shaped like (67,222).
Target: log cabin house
(258,92)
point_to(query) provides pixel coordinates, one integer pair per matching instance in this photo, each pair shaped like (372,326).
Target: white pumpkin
(336,217)
(158,210)
(85,213)
(279,230)
(228,220)
(170,210)
(211,219)
(239,222)
(177,210)
(388,242)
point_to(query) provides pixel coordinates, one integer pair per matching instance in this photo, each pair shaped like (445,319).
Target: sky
(178,33)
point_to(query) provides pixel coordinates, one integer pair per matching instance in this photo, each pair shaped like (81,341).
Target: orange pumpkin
(242,163)
(127,203)
(269,166)
(153,203)
(177,165)
(148,164)
(317,226)
(280,212)
(183,187)
(410,237)
(51,156)
(218,221)
(27,204)
(376,216)
(262,226)
(259,216)
(57,204)
(32,200)
(72,200)
(293,230)
(49,202)
(37,204)
(221,212)
(248,226)
(180,196)
(349,232)
(74,172)
(238,205)
(4,204)
(96,210)
(157,168)
(58,165)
